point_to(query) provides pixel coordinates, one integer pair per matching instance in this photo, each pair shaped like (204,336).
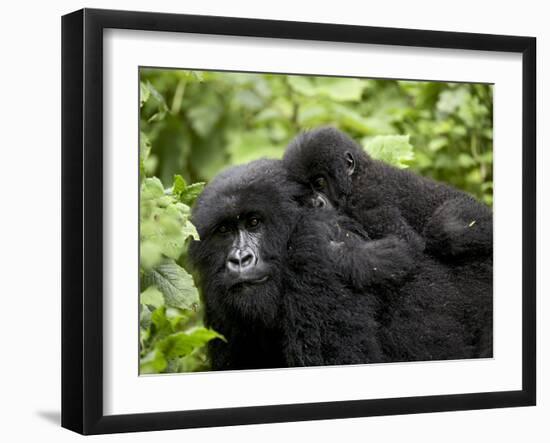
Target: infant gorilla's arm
(372,264)
(359,261)
(384,221)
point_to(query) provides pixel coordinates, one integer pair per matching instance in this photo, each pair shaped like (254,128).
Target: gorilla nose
(320,201)
(240,260)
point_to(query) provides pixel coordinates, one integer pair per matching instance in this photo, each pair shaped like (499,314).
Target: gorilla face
(323,161)
(244,218)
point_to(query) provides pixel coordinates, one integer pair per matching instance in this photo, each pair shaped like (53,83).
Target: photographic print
(269,221)
(301,220)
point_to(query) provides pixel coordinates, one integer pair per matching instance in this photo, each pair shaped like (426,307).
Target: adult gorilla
(290,286)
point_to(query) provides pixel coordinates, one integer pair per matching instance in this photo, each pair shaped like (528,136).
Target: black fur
(333,296)
(388,200)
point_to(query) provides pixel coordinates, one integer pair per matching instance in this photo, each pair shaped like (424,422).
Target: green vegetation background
(194,123)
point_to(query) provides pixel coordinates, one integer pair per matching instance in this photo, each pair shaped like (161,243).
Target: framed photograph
(268,221)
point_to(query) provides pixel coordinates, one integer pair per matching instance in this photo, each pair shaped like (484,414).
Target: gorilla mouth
(244,282)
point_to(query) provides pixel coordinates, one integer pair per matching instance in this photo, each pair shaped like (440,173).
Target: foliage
(199,122)
(193,124)
(172,335)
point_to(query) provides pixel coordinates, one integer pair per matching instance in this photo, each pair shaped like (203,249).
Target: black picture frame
(82,220)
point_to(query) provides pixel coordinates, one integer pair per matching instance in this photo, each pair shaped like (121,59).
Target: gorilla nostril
(246,259)
(233,261)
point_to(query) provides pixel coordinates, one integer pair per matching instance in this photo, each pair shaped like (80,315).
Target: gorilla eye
(222,229)
(253,222)
(319,183)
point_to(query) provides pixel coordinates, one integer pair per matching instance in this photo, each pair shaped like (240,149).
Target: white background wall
(30,219)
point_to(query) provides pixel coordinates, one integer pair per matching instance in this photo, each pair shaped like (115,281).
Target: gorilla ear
(350,162)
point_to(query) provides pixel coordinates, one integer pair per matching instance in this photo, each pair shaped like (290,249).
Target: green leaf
(393,149)
(437,143)
(179,185)
(181,344)
(153,363)
(175,316)
(197,360)
(450,100)
(187,194)
(152,297)
(206,113)
(144,320)
(144,94)
(340,89)
(160,324)
(351,119)
(191,192)
(150,253)
(252,145)
(152,101)
(465,160)
(301,84)
(337,89)
(144,146)
(164,223)
(176,284)
(151,189)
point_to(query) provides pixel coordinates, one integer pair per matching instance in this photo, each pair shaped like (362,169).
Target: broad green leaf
(393,149)
(150,253)
(181,344)
(248,146)
(350,119)
(176,284)
(302,84)
(249,100)
(337,89)
(340,89)
(151,189)
(152,297)
(205,113)
(311,114)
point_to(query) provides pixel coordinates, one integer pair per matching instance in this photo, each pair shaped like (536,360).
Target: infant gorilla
(292,286)
(449,223)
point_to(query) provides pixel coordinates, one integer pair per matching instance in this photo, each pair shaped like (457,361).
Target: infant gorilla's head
(324,162)
(244,218)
